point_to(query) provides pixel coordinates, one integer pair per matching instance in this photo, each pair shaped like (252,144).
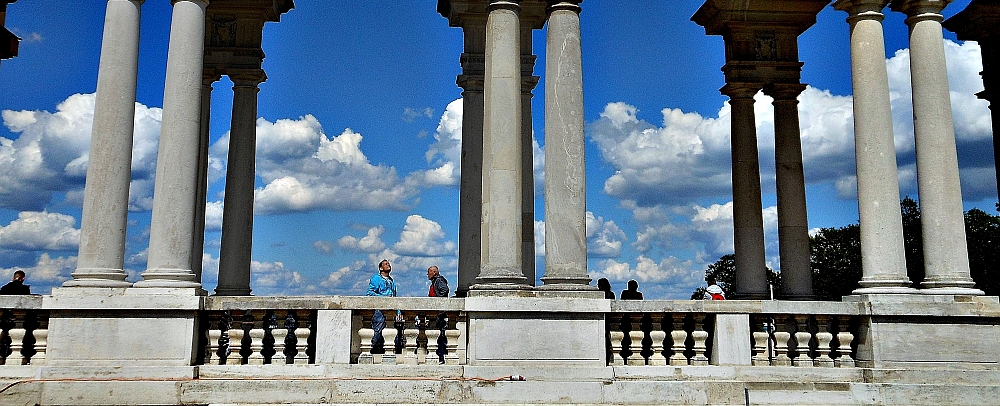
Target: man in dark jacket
(16,285)
(439,288)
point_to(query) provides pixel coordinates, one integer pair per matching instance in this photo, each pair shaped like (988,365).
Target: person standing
(439,288)
(714,291)
(632,293)
(16,285)
(381,284)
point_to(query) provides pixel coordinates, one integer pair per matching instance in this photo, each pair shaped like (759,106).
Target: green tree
(835,254)
(913,243)
(724,271)
(982,231)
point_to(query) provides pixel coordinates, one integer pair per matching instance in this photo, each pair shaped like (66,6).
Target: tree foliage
(724,271)
(835,254)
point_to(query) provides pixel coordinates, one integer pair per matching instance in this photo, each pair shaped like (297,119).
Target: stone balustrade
(24,331)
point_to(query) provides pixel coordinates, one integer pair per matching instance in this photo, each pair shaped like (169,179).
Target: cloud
(410,114)
(273,278)
(213,215)
(40,231)
(370,243)
(304,170)
(604,238)
(422,237)
(50,154)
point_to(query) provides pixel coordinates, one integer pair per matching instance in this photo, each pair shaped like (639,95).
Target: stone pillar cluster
(194,62)
(497,205)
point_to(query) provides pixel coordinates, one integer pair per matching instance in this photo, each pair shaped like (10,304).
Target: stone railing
(24,331)
(759,333)
(330,329)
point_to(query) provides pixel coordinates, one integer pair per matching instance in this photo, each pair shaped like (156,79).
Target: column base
(498,286)
(566,283)
(501,278)
(223,291)
(98,278)
(885,290)
(167,278)
(943,286)
(952,291)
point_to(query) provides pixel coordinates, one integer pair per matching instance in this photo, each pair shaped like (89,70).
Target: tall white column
(501,251)
(198,226)
(946,256)
(171,227)
(101,258)
(793,223)
(748,219)
(237,219)
(883,260)
(471,188)
(528,83)
(565,164)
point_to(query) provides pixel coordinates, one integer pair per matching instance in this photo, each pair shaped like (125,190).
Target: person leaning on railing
(16,285)
(439,288)
(381,284)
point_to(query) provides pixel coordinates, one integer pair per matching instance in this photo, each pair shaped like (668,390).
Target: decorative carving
(765,46)
(224,31)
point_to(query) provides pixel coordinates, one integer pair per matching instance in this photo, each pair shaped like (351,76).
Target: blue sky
(359,137)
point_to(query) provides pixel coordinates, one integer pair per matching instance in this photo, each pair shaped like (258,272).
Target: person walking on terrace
(632,293)
(381,284)
(439,288)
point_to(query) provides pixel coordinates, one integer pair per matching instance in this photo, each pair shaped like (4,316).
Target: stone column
(565,165)
(946,256)
(171,227)
(471,188)
(882,253)
(237,219)
(101,258)
(501,250)
(748,219)
(201,193)
(793,224)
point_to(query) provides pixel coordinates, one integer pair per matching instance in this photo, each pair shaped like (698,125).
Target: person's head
(711,280)
(603,284)
(384,266)
(432,272)
(18,276)
(633,285)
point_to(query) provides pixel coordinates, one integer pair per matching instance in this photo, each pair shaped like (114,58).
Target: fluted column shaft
(101,258)
(501,256)
(201,193)
(565,165)
(748,220)
(171,227)
(793,223)
(883,260)
(946,257)
(237,219)
(471,187)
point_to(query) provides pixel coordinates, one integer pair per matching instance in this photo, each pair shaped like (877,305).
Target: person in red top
(439,288)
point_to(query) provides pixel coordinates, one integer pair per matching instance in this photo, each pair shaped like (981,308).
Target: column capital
(247,77)
(741,90)
(210,77)
(504,4)
(784,91)
(559,5)
(471,83)
(920,9)
(863,9)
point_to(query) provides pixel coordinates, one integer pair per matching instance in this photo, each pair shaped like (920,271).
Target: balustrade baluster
(302,333)
(6,323)
(432,344)
(657,358)
(279,335)
(700,337)
(410,343)
(823,340)
(781,346)
(256,346)
(389,358)
(844,337)
(453,336)
(365,335)
(41,346)
(246,344)
(213,337)
(235,347)
(16,345)
(802,337)
(677,338)
(635,357)
(421,322)
(225,324)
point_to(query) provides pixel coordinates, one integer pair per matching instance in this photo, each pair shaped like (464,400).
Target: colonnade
(496,213)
